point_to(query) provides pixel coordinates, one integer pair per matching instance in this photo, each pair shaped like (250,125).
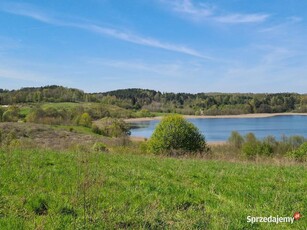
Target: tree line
(156,101)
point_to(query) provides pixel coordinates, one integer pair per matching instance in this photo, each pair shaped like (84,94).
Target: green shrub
(250,137)
(235,139)
(252,147)
(143,113)
(299,154)
(175,135)
(266,149)
(11,115)
(111,127)
(85,120)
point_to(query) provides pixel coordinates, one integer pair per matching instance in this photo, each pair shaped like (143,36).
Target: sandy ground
(252,115)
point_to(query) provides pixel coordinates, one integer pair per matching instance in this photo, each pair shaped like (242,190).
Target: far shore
(250,115)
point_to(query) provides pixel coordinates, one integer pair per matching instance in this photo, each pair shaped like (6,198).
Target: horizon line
(212,92)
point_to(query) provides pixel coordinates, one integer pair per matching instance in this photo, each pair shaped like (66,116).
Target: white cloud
(29,11)
(187,7)
(202,11)
(284,26)
(141,40)
(241,18)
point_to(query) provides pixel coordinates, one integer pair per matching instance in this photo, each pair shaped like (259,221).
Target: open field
(75,190)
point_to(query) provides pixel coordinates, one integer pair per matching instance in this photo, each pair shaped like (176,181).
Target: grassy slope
(49,190)
(25,108)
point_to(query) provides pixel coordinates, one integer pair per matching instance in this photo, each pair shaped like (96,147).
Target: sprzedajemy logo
(274,219)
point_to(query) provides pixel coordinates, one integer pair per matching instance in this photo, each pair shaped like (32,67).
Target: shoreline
(249,115)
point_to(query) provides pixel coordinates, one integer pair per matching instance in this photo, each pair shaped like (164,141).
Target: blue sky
(167,45)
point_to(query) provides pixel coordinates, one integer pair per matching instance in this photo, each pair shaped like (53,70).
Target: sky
(167,45)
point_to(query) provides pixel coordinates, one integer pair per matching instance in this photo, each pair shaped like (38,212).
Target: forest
(164,102)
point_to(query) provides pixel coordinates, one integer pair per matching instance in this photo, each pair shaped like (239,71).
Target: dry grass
(45,136)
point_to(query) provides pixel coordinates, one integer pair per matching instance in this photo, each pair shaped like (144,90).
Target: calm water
(219,129)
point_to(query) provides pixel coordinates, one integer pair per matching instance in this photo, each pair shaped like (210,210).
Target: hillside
(155,101)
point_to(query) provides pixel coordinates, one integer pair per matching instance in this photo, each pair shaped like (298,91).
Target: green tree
(176,135)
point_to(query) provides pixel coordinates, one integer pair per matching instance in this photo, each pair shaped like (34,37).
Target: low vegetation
(44,189)
(299,154)
(250,147)
(111,127)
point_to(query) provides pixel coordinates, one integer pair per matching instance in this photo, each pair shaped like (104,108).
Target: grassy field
(41,189)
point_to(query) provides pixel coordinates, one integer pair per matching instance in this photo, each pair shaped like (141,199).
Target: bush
(175,135)
(85,120)
(252,147)
(266,149)
(143,113)
(49,116)
(250,137)
(111,127)
(235,139)
(11,115)
(299,154)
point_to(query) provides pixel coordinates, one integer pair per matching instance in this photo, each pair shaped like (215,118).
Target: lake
(219,129)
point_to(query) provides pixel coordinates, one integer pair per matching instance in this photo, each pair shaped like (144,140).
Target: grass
(42,189)
(61,105)
(74,128)
(24,111)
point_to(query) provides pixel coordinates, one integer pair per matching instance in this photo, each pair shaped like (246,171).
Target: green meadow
(45,189)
